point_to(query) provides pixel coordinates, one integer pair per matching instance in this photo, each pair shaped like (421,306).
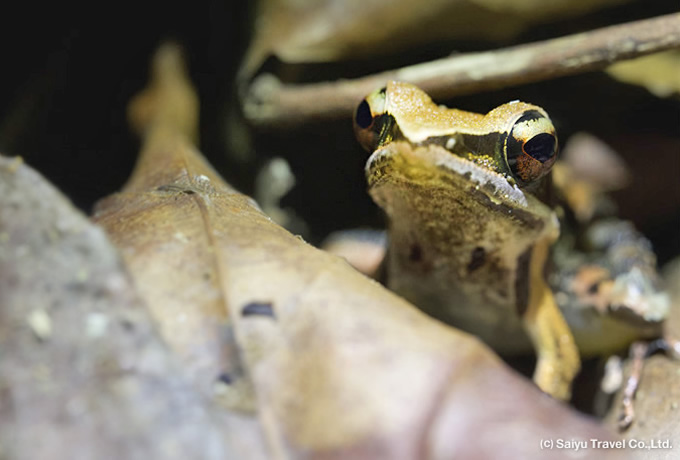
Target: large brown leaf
(83,373)
(341,367)
(319,31)
(165,224)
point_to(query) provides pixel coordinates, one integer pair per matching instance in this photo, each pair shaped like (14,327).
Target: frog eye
(531,147)
(363,116)
(367,126)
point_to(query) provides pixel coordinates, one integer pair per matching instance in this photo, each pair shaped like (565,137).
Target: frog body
(470,226)
(439,267)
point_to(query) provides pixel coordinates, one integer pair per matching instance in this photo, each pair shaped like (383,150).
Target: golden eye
(363,116)
(531,147)
(363,127)
(367,128)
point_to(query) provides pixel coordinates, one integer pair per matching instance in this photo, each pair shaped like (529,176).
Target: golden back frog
(471,223)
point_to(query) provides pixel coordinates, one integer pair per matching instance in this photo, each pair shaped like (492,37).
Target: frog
(473,225)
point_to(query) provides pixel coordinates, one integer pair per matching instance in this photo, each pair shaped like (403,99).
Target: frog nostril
(363,117)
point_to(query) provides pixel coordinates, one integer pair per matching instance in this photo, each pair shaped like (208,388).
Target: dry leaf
(164,222)
(83,374)
(312,31)
(659,73)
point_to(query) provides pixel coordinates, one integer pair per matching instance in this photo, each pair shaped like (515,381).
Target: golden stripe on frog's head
(516,140)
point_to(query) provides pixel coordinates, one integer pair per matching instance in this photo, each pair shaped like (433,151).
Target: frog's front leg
(558,357)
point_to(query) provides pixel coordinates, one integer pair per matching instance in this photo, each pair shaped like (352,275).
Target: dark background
(68,73)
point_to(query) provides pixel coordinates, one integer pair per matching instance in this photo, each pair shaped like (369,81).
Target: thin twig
(269,103)
(637,355)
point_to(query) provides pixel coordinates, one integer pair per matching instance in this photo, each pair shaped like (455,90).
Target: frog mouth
(491,182)
(457,170)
